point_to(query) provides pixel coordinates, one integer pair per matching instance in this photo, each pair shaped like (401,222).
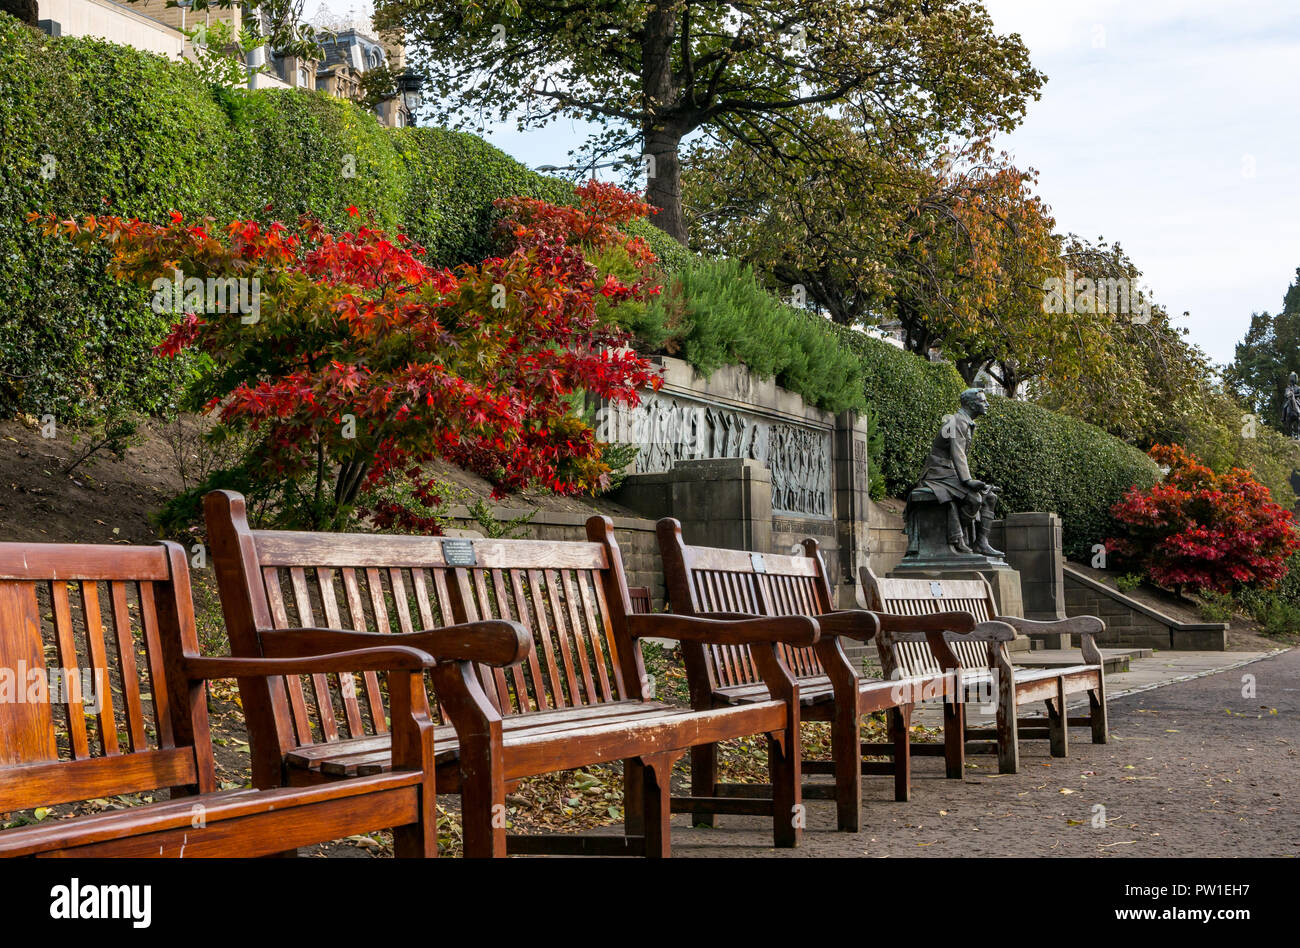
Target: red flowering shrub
(595,226)
(1202,530)
(359,364)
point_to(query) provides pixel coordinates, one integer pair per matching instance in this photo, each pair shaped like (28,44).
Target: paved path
(1194,768)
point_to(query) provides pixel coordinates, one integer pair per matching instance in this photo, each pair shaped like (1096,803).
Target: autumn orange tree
(361,364)
(954,245)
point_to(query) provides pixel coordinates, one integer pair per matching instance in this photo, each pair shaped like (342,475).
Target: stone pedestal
(1032,541)
(852,508)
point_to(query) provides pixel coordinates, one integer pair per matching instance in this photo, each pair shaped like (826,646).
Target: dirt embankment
(107,500)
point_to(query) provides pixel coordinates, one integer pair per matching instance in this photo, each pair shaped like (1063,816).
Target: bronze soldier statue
(971,503)
(1291,408)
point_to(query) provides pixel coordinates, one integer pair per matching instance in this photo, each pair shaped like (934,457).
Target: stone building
(151,25)
(349,54)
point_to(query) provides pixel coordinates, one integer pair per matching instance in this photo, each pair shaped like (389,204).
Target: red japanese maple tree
(363,364)
(1202,530)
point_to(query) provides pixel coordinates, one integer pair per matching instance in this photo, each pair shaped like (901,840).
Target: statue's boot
(982,544)
(956,534)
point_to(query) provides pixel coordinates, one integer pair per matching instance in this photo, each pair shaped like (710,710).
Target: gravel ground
(1194,768)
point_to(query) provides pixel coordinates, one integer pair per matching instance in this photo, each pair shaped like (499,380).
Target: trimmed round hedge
(452,179)
(91,127)
(309,153)
(1042,460)
(1046,461)
(910,396)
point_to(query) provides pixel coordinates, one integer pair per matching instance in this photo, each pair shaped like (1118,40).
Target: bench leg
(900,730)
(954,743)
(704,780)
(1008,733)
(1097,713)
(656,776)
(787,791)
(1058,726)
(419,840)
(483,799)
(633,797)
(846,748)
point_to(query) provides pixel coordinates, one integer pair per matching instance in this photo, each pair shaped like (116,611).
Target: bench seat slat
(564,740)
(169,814)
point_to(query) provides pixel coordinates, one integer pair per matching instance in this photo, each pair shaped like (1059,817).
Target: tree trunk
(660,132)
(664,184)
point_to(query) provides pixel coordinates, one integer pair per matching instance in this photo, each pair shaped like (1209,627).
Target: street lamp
(408,90)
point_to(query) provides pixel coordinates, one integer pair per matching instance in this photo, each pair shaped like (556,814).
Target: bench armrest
(937,622)
(394,658)
(725,628)
(496,642)
(852,623)
(940,629)
(1085,627)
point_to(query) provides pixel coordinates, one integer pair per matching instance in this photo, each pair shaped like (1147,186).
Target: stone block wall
(1032,542)
(1131,624)
(887,542)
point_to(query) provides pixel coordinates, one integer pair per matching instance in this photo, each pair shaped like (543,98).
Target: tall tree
(1266,355)
(1149,376)
(652,73)
(24,10)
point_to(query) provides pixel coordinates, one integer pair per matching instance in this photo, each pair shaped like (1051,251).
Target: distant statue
(1291,408)
(946,479)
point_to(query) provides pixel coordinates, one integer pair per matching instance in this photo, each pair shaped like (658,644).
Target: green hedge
(1040,459)
(125,132)
(715,313)
(133,133)
(452,180)
(310,153)
(1046,461)
(910,396)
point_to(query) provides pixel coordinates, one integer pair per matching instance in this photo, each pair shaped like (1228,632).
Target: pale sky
(1170,126)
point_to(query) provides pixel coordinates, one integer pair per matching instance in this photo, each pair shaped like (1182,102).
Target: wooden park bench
(711,582)
(106,695)
(978,648)
(539,670)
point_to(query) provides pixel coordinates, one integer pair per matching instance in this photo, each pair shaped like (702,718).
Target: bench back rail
(382,583)
(710,580)
(922,597)
(91,702)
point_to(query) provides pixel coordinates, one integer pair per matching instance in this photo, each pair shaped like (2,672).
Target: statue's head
(975,402)
(1293,378)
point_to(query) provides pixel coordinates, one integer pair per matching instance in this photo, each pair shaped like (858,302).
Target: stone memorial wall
(745,464)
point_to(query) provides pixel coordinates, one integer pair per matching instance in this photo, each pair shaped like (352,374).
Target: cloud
(1169,126)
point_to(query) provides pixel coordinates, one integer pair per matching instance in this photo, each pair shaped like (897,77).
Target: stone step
(1113,659)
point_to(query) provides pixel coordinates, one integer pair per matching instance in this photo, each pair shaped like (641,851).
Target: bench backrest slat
(81,716)
(917,597)
(383,583)
(709,579)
